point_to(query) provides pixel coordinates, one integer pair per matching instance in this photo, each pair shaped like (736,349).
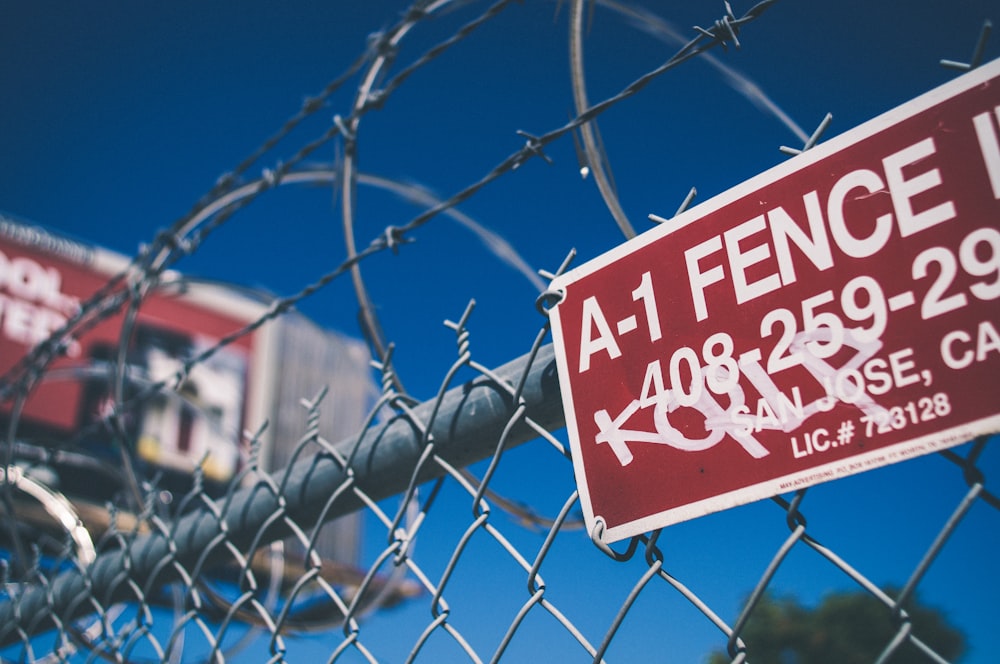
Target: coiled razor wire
(205,586)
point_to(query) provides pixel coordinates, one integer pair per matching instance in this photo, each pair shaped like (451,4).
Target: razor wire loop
(375,98)
(342,457)
(385,54)
(594,158)
(697,45)
(104,301)
(108,306)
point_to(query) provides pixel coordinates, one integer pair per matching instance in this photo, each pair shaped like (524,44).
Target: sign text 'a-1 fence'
(836,313)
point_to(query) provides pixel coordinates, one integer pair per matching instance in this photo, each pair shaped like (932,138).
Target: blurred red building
(102,395)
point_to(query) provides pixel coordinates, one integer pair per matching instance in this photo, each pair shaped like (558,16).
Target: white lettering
(821,440)
(739,261)
(815,245)
(698,279)
(796,452)
(594,317)
(903,190)
(29,324)
(900,363)
(990,147)
(873,373)
(987,340)
(947,350)
(766,417)
(849,386)
(856,247)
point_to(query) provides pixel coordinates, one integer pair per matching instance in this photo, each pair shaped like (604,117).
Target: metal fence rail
(416,444)
(211,577)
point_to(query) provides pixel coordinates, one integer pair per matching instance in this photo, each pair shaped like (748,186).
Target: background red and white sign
(43,281)
(834,314)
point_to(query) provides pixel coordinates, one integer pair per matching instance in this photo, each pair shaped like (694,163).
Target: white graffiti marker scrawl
(837,313)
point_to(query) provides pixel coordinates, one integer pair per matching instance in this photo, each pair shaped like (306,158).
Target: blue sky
(116,117)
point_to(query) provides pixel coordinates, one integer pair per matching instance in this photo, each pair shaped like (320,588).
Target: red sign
(836,313)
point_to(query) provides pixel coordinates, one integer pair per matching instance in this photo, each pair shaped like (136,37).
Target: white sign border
(939,440)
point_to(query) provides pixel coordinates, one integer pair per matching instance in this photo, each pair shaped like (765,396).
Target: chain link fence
(473,546)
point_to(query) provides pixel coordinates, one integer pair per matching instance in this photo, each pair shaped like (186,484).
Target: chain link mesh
(484,574)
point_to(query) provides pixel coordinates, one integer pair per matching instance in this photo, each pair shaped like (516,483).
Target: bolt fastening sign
(837,313)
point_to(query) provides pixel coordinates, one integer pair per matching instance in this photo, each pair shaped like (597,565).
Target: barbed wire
(196,584)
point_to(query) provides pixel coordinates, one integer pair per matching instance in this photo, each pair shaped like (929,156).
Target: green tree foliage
(846,628)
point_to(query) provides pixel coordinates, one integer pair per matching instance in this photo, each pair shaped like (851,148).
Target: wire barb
(206,572)
(816,135)
(724,30)
(533,147)
(977,52)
